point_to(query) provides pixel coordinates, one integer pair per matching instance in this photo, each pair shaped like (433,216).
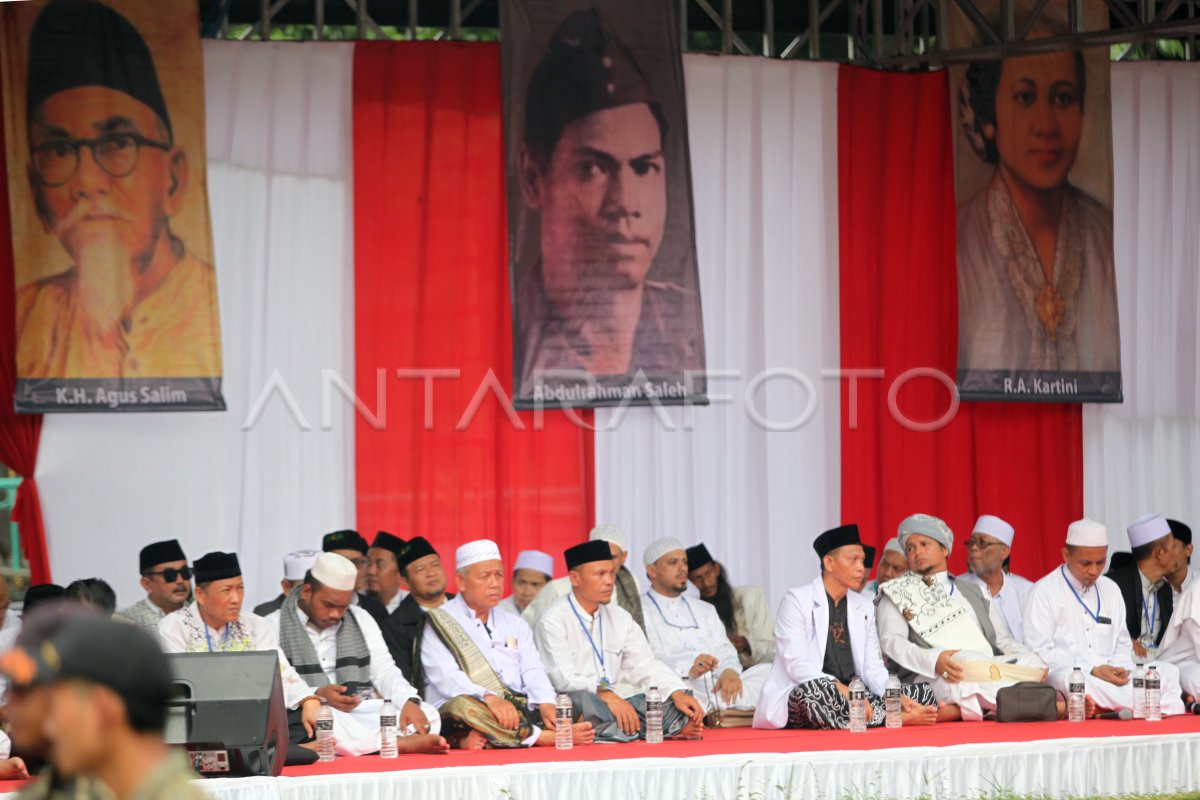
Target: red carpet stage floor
(952,760)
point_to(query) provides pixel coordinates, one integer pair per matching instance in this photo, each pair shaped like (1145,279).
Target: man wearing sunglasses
(107,177)
(167,579)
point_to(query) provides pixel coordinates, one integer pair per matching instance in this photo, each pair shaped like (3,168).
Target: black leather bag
(1027,702)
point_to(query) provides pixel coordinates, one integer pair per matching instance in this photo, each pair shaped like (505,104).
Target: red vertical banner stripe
(904,447)
(443,455)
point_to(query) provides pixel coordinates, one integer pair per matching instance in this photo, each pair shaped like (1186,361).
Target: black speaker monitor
(227,711)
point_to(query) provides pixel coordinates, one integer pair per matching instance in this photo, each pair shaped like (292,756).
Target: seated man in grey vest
(944,631)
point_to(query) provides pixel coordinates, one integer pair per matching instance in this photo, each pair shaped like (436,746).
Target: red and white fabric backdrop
(359,226)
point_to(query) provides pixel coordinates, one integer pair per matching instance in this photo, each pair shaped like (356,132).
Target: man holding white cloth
(945,631)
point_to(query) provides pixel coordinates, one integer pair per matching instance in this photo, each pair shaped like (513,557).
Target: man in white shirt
(338,650)
(385,575)
(1075,618)
(627,592)
(689,637)
(944,631)
(533,570)
(482,669)
(596,653)
(988,551)
(215,624)
(743,610)
(826,636)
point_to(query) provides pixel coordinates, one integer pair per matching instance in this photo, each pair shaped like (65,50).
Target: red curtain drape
(432,293)
(899,311)
(19,433)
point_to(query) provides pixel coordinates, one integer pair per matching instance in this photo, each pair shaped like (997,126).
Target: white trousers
(752,683)
(1110,697)
(357,731)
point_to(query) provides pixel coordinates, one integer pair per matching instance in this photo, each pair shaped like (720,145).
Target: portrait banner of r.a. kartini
(1037,295)
(602,246)
(112,247)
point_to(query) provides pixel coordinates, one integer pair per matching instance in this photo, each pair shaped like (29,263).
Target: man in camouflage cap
(593,167)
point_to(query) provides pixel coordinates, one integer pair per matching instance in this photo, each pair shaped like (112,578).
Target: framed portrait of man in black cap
(112,246)
(605,287)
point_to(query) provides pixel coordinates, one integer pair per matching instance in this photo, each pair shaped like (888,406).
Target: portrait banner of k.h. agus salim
(1033,173)
(112,246)
(602,246)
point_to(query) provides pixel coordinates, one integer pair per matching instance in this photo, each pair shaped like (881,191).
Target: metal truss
(894,34)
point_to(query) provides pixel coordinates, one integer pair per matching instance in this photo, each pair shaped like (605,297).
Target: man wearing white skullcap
(892,564)
(295,566)
(627,592)
(943,630)
(1075,618)
(533,570)
(1156,553)
(502,697)
(338,649)
(690,637)
(988,550)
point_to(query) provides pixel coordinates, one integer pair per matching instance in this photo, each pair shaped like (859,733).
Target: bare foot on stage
(919,715)
(313,745)
(582,733)
(691,729)
(949,713)
(1089,707)
(471,740)
(423,743)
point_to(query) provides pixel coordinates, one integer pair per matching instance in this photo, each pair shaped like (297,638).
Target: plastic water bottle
(858,706)
(1075,696)
(1139,692)
(325,733)
(563,718)
(389,729)
(1153,696)
(891,701)
(654,716)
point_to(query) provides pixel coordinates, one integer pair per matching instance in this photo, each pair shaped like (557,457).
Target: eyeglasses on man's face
(56,160)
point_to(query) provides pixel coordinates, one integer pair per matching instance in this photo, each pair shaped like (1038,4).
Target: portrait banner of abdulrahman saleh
(1037,296)
(112,247)
(602,248)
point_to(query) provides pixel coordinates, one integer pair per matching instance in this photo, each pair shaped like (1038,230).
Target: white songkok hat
(659,548)
(611,534)
(297,564)
(893,546)
(994,527)
(1149,528)
(1087,533)
(536,560)
(336,572)
(476,551)
(926,525)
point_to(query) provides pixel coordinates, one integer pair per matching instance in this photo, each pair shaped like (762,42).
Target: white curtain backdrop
(1144,455)
(279,143)
(764,170)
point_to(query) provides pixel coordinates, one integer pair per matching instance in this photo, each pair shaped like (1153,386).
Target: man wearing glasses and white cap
(988,551)
(533,570)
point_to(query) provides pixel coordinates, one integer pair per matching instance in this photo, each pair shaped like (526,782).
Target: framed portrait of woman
(1037,291)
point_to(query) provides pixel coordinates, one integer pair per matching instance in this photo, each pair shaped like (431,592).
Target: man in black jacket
(422,569)
(1143,584)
